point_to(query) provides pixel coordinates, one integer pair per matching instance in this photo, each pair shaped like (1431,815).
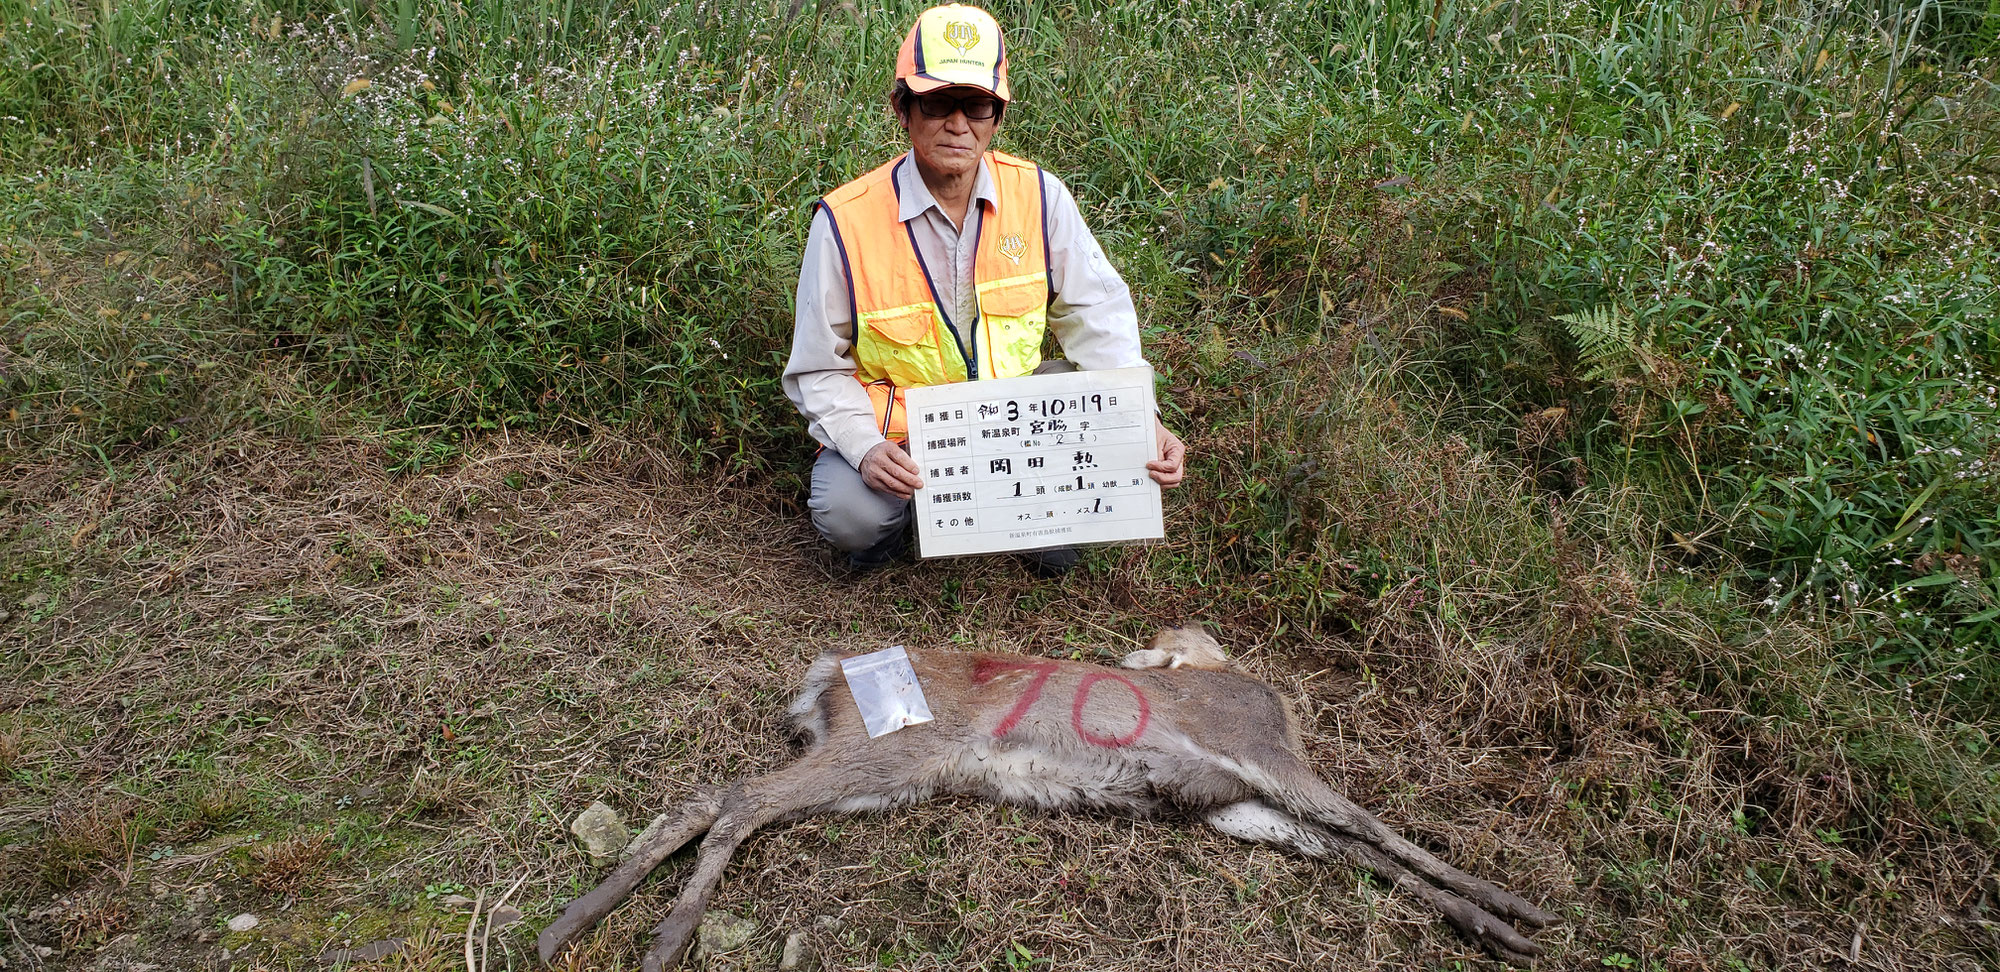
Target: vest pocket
(1015,299)
(1016,317)
(902,345)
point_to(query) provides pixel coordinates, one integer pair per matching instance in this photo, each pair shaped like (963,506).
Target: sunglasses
(944,106)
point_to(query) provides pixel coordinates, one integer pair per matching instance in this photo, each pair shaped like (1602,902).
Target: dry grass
(291,866)
(80,841)
(436,672)
(91,919)
(10,749)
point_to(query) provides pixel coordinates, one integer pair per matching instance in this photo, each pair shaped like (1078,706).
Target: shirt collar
(913,197)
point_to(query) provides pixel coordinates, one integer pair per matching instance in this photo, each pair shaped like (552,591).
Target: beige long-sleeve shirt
(1091,313)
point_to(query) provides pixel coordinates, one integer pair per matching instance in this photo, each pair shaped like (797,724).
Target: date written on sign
(1035,462)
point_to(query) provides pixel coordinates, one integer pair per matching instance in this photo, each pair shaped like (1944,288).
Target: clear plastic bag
(885,690)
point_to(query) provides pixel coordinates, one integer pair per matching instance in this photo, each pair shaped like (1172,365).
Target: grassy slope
(1412,475)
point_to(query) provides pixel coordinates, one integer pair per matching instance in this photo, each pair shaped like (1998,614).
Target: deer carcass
(1175,733)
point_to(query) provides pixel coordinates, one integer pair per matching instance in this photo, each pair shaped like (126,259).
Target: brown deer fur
(1174,734)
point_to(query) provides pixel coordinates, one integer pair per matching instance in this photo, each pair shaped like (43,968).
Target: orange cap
(951,45)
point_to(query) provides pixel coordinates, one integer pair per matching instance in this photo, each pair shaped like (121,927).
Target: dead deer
(1177,732)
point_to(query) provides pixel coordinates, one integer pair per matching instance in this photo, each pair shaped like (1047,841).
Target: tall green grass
(1722,272)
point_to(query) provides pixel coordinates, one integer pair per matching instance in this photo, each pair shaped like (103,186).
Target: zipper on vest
(978,312)
(970,359)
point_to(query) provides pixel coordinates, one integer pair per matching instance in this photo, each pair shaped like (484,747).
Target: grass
(1592,410)
(529,219)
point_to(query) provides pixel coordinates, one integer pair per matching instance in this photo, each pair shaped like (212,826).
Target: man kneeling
(947,263)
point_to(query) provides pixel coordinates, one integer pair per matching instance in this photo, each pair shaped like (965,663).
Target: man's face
(947,140)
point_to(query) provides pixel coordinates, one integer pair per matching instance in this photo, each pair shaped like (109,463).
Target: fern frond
(1603,333)
(1610,342)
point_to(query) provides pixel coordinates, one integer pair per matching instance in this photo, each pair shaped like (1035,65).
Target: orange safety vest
(902,337)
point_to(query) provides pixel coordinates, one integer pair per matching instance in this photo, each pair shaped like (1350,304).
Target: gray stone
(502,916)
(794,955)
(35,600)
(602,831)
(723,932)
(243,922)
(371,952)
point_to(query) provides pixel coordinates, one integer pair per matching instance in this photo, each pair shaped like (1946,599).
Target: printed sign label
(1036,462)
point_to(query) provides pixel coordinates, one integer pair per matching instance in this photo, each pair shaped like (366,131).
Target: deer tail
(807,713)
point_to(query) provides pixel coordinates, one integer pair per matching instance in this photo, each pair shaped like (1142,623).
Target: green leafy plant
(1610,343)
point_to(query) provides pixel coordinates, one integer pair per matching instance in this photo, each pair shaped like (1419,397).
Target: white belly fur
(1028,776)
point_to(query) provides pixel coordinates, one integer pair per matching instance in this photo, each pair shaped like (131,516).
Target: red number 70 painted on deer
(985,670)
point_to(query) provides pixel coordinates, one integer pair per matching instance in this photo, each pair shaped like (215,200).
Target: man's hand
(887,468)
(1170,467)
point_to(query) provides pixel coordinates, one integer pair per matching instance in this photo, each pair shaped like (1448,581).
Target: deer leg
(1289,783)
(803,788)
(1253,820)
(665,835)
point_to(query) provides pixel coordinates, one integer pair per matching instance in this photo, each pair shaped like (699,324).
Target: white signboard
(1036,462)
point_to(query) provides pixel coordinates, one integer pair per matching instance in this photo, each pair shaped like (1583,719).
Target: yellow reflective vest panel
(902,337)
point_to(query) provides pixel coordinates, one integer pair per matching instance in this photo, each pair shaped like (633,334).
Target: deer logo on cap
(962,35)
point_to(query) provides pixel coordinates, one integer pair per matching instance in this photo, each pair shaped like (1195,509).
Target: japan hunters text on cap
(954,44)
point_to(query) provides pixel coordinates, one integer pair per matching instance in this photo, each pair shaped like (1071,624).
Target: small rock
(502,916)
(243,922)
(602,831)
(371,952)
(723,932)
(828,922)
(35,600)
(457,902)
(5,616)
(795,951)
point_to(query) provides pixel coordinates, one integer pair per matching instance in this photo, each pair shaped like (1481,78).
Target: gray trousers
(854,517)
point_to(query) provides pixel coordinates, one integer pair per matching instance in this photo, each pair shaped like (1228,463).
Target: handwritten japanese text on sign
(1041,461)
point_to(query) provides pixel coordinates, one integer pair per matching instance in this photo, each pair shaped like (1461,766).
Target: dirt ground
(265,676)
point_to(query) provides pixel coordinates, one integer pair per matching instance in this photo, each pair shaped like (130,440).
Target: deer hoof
(1496,936)
(670,941)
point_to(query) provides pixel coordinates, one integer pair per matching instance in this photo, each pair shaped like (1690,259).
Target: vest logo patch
(961,35)
(1012,247)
